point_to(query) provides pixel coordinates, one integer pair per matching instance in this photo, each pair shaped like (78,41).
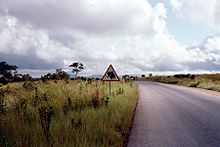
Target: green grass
(205,81)
(78,113)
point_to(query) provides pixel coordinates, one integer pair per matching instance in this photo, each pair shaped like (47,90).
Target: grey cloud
(209,51)
(29,61)
(217,13)
(206,66)
(78,15)
(131,35)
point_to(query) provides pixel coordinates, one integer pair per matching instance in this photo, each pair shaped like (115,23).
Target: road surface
(174,116)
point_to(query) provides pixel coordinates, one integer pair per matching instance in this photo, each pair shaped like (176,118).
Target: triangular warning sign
(110,75)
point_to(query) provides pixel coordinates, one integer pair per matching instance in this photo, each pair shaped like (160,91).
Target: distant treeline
(191,76)
(8,74)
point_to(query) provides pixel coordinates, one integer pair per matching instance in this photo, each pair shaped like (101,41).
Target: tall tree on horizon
(6,72)
(77,67)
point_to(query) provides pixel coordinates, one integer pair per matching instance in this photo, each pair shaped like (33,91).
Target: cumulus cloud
(200,12)
(94,16)
(206,55)
(23,40)
(131,34)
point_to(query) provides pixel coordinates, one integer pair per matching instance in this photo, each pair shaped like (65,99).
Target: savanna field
(205,81)
(66,113)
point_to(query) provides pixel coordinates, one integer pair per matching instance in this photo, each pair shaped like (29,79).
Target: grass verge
(205,81)
(66,113)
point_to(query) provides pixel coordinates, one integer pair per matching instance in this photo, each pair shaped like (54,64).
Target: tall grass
(66,113)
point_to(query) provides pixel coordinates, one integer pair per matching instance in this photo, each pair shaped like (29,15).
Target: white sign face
(110,75)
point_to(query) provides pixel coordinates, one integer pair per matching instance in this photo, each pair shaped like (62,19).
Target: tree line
(9,73)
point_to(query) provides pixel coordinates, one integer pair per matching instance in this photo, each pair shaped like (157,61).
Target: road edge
(203,90)
(132,122)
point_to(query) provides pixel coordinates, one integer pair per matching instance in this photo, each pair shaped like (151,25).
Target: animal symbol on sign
(111,75)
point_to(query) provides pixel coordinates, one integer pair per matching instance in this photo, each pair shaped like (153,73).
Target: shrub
(192,77)
(9,90)
(29,85)
(76,123)
(35,100)
(105,99)
(196,84)
(45,113)
(172,82)
(96,99)
(182,76)
(2,102)
(121,90)
(68,106)
(21,105)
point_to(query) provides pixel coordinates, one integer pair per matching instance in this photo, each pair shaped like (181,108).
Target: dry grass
(206,81)
(66,113)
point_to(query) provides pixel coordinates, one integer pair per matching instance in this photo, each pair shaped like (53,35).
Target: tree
(60,74)
(26,77)
(77,67)
(125,77)
(6,72)
(5,68)
(17,77)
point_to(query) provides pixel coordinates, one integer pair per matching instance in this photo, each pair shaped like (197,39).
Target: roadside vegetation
(56,110)
(205,81)
(66,113)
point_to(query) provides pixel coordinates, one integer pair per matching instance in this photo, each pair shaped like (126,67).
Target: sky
(136,36)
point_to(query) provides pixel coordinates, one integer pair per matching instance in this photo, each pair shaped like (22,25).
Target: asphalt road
(173,116)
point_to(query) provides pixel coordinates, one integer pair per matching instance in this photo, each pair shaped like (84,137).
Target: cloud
(130,34)
(199,12)
(90,16)
(23,40)
(206,55)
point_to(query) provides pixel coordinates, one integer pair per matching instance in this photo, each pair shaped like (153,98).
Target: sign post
(109,87)
(110,76)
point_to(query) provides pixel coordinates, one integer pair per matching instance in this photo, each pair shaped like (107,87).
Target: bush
(76,123)
(2,102)
(178,76)
(192,77)
(172,82)
(120,91)
(96,102)
(105,99)
(68,106)
(21,105)
(5,80)
(196,84)
(46,113)
(29,85)
(35,100)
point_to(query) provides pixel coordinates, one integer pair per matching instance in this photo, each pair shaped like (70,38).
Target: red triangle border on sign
(110,66)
